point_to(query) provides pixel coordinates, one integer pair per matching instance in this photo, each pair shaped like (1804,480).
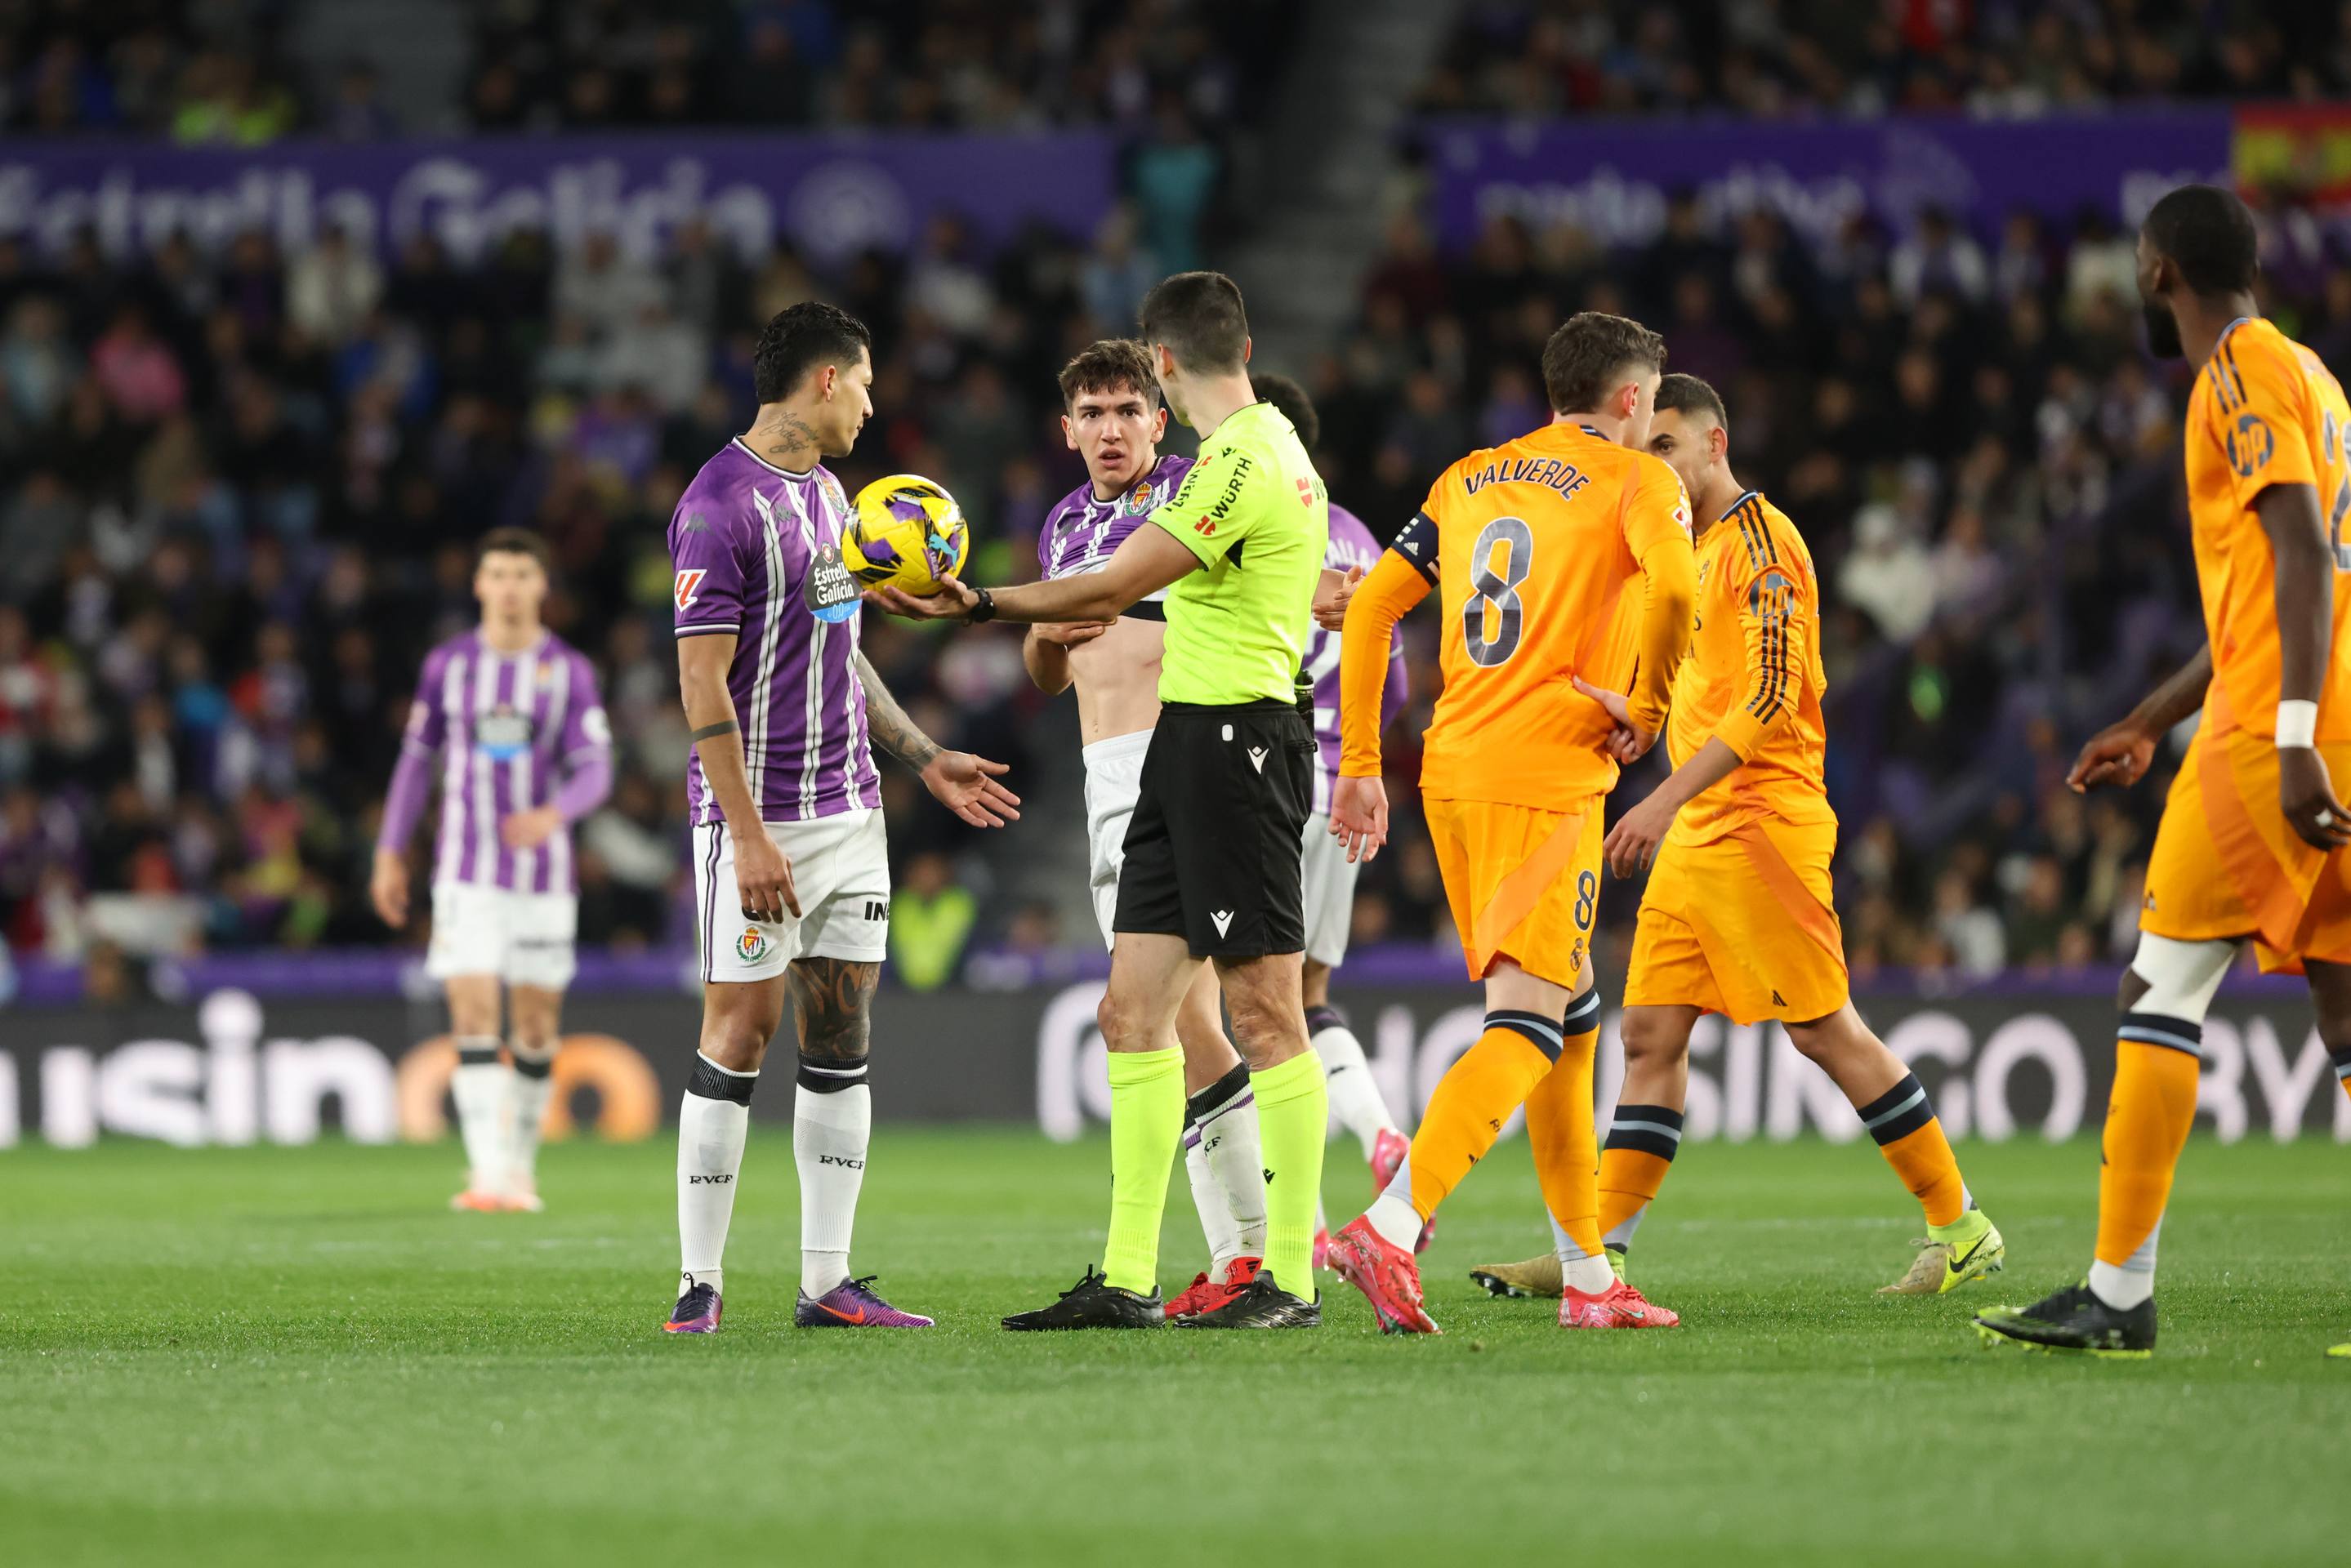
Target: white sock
(1583,1271)
(2126,1284)
(711,1127)
(1395,1219)
(1215,1208)
(832,1122)
(533,1087)
(1347,1079)
(1226,1114)
(480,1089)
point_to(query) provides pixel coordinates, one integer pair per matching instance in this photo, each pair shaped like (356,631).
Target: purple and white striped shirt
(756,550)
(1082,533)
(513,731)
(1352,544)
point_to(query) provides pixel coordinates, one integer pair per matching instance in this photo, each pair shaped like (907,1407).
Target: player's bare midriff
(1117,678)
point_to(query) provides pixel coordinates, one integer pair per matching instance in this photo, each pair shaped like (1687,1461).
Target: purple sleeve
(403,803)
(411,777)
(585,747)
(585,786)
(709,588)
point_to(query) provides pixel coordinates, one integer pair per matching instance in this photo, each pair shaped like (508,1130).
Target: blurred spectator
(333,288)
(930,918)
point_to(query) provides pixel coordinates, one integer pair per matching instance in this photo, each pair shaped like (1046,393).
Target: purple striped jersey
(1082,532)
(508,728)
(756,551)
(1352,544)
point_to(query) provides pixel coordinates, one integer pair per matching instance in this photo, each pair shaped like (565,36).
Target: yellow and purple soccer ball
(906,532)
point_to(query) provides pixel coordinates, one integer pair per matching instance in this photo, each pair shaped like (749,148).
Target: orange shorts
(2227,867)
(1743,924)
(1522,883)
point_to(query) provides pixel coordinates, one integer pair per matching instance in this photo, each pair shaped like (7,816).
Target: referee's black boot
(1094,1302)
(1260,1304)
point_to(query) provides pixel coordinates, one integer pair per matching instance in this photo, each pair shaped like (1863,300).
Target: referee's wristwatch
(984,611)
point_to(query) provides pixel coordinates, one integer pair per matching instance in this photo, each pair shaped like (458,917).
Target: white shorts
(523,938)
(1329,893)
(840,872)
(1113,781)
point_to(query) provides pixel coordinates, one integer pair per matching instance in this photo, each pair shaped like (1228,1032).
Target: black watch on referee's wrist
(983,612)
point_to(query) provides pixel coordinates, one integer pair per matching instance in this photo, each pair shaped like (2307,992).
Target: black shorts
(1213,849)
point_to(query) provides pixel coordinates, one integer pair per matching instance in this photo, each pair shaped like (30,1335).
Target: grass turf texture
(296,1355)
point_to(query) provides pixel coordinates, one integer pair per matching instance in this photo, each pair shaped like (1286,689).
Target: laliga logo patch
(830,593)
(2251,445)
(687,585)
(752,945)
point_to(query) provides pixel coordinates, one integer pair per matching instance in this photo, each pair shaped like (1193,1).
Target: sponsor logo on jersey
(2251,445)
(689,583)
(831,592)
(503,733)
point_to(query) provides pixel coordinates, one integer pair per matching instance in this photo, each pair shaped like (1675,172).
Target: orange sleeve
(1657,532)
(1394,586)
(1774,616)
(2261,406)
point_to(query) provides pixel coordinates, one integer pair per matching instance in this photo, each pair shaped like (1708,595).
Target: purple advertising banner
(1613,178)
(833,196)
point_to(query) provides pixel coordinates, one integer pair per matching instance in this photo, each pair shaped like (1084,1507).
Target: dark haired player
(1211,871)
(1737,916)
(2248,845)
(1565,561)
(791,870)
(509,710)
(1113,417)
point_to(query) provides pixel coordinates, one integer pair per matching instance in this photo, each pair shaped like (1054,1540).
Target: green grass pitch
(296,1355)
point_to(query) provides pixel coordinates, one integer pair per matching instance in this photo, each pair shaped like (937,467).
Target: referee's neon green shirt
(1256,513)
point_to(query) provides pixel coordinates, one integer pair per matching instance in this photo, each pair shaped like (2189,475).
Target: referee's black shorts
(1213,849)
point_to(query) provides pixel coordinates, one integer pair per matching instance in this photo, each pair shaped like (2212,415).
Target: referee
(1212,870)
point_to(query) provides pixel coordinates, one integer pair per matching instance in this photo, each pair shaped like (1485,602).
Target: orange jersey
(2263,411)
(1753,678)
(1532,546)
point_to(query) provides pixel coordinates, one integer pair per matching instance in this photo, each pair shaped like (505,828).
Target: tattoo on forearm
(710,731)
(888,724)
(832,1006)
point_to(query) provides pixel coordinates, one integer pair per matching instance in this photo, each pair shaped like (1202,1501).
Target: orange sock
(1911,1138)
(1559,1127)
(1641,1142)
(2343,1067)
(2148,1117)
(1473,1100)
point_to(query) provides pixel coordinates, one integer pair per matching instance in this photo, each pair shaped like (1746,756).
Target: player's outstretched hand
(763,877)
(967,785)
(950,601)
(1628,743)
(2118,755)
(1633,843)
(1071,633)
(2308,796)
(1359,815)
(1332,594)
(529,829)
(388,888)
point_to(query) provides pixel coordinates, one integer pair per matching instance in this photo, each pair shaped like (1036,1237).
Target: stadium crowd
(240,487)
(1777,58)
(1987,469)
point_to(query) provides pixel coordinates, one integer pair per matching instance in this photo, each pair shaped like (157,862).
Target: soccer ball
(907,533)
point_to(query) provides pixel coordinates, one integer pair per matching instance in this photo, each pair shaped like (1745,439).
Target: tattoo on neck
(794,444)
